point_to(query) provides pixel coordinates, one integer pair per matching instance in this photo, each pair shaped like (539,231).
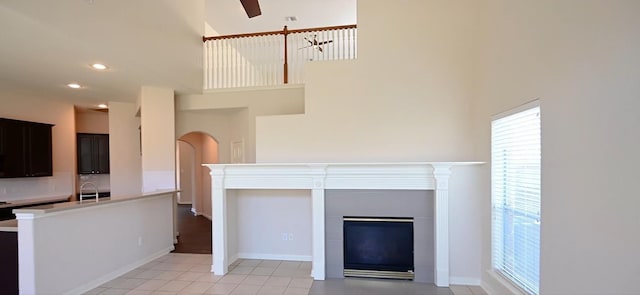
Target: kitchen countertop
(27,202)
(44,209)
(9,225)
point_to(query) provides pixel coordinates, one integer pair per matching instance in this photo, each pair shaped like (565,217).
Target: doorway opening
(194,199)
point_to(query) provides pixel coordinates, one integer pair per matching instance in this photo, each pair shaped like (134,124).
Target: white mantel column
(219,222)
(441,173)
(318,174)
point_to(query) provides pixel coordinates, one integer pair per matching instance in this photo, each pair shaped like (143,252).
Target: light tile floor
(178,273)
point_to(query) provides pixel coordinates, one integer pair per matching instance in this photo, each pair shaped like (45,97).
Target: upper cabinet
(93,153)
(25,149)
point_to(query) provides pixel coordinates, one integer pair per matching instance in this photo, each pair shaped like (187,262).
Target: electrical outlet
(285,236)
(290,236)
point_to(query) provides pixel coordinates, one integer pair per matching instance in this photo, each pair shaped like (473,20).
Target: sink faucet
(88,195)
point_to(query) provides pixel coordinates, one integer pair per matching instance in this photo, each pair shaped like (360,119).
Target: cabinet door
(2,148)
(101,153)
(39,144)
(85,154)
(14,148)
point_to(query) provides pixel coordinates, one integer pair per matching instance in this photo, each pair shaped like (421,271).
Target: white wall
(124,150)
(579,57)
(157,118)
(210,150)
(186,166)
(77,250)
(263,216)
(62,115)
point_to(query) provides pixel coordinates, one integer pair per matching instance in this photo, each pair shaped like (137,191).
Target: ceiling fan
(252,7)
(315,43)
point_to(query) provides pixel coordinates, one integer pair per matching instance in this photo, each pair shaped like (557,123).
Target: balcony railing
(273,58)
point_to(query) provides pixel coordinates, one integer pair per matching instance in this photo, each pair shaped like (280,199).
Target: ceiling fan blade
(325,42)
(252,7)
(320,49)
(308,40)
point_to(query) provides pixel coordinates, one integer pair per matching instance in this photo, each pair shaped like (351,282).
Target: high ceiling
(228,17)
(48,44)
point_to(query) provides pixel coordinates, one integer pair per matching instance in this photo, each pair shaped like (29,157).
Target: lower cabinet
(9,262)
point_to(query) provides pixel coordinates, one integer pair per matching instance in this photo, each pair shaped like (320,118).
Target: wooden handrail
(282,32)
(204,39)
(320,29)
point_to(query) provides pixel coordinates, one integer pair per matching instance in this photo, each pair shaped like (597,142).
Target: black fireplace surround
(378,244)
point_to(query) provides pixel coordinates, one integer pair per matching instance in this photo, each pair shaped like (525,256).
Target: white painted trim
(123,270)
(529,105)
(207,216)
(183,203)
(264,256)
(321,176)
(495,284)
(465,281)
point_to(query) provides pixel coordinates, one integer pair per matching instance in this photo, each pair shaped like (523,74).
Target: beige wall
(195,141)
(205,151)
(59,113)
(157,118)
(92,122)
(406,98)
(230,115)
(579,57)
(124,150)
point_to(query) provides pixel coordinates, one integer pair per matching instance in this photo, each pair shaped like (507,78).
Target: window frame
(498,238)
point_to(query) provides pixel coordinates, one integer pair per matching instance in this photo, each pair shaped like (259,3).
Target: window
(515,196)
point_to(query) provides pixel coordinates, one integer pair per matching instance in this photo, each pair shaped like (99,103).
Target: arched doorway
(194,182)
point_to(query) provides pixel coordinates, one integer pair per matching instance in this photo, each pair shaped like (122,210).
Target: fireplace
(431,233)
(378,247)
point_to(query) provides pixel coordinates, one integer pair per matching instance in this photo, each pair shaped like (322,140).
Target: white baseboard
(206,215)
(183,203)
(233,259)
(274,256)
(121,271)
(465,281)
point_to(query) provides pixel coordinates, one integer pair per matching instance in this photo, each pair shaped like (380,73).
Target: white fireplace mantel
(318,177)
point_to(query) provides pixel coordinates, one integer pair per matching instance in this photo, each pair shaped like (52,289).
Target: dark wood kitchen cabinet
(25,149)
(9,262)
(93,153)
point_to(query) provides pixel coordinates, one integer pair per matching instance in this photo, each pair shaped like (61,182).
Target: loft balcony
(273,58)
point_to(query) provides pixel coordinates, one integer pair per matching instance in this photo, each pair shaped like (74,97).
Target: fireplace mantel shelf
(320,176)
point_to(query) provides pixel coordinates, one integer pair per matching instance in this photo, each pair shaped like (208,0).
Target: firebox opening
(378,247)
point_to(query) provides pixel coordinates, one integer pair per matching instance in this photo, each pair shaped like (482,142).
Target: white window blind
(515,190)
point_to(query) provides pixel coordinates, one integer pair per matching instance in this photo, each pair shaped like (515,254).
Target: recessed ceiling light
(73,85)
(99,67)
(103,106)
(290,18)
